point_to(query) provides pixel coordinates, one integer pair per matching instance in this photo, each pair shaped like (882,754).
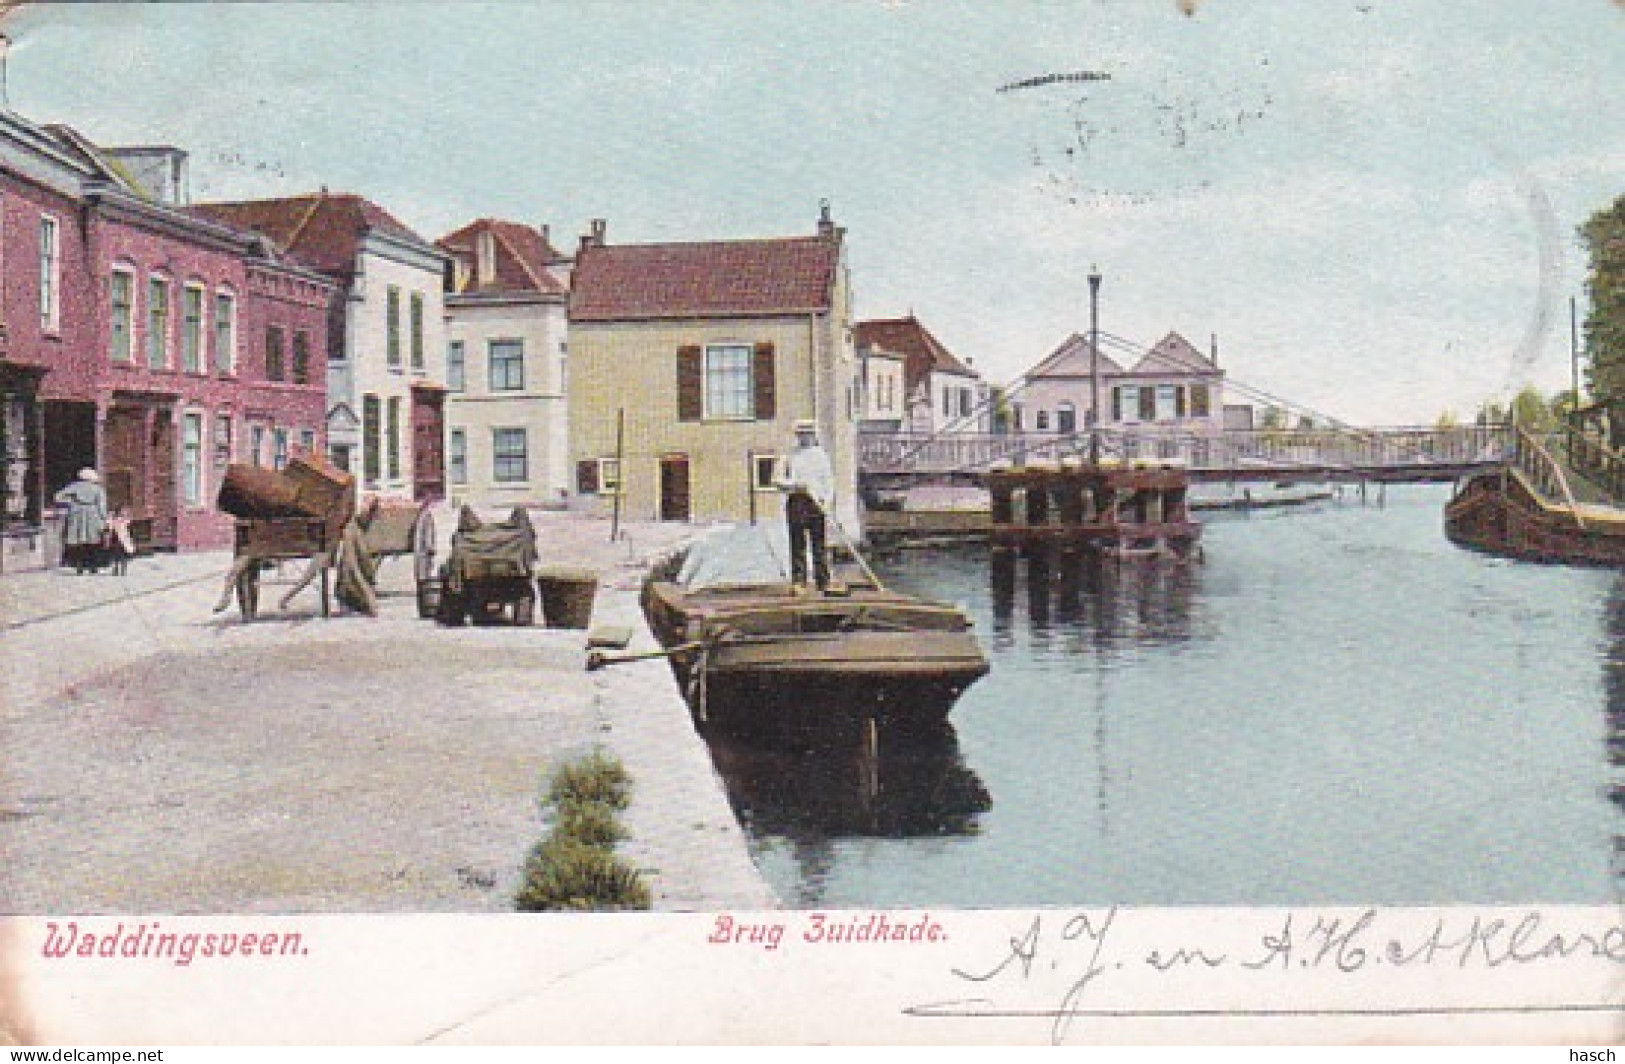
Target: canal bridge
(893,461)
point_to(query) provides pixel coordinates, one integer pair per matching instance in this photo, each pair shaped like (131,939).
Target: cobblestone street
(163,758)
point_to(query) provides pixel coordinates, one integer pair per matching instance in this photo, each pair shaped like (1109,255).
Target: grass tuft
(575,868)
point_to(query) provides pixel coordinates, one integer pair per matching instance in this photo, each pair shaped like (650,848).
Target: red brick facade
(169,347)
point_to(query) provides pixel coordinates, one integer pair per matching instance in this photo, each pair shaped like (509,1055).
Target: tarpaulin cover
(498,549)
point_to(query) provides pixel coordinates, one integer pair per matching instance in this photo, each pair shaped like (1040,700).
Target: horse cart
(308,512)
(490,573)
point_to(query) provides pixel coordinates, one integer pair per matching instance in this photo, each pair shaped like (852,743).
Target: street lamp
(1094,365)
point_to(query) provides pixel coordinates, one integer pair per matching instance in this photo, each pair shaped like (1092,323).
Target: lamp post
(1094,365)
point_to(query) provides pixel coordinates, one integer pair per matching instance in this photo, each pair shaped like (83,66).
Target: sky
(1372,204)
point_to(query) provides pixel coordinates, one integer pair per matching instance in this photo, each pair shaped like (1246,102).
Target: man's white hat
(90,475)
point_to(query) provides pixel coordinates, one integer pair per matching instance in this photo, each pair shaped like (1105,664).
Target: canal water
(1336,707)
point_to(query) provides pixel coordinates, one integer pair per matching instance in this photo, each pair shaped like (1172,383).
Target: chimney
(826,225)
(1214,358)
(547,233)
(599,228)
(485,257)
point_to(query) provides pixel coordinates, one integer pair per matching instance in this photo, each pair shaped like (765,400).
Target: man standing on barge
(810,485)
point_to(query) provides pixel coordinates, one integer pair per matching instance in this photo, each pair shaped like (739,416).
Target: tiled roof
(922,352)
(321,230)
(703,280)
(520,258)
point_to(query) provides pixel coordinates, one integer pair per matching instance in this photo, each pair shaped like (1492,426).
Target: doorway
(674,487)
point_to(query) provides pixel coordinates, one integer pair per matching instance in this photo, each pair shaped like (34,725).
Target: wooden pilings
(1115,510)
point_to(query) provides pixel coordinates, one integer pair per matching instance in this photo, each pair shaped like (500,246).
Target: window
(947,403)
(1066,418)
(1148,403)
(728,385)
(457,457)
(256,445)
(192,459)
(1043,420)
(1167,407)
(225,333)
(596,476)
(222,439)
(50,273)
(1126,403)
(307,441)
(964,402)
(192,329)
(370,465)
(417,332)
(1201,402)
(392,431)
(507,358)
(123,297)
(456,366)
(301,357)
(279,448)
(157,322)
(275,356)
(726,382)
(508,455)
(392,350)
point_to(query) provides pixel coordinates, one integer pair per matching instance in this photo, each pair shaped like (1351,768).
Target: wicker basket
(567,595)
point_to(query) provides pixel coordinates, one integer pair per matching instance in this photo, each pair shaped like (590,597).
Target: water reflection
(852,778)
(1100,603)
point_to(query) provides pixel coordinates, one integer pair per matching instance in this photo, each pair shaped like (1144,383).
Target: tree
(1273,419)
(1446,420)
(1604,239)
(1532,410)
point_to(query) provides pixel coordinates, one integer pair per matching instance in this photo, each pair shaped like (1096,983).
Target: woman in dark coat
(85,522)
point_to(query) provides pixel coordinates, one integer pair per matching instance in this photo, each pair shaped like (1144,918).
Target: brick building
(141,340)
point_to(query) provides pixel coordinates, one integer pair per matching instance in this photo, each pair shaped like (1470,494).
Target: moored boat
(765,650)
(1501,513)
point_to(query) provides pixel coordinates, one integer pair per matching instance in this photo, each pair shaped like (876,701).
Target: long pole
(620,473)
(1094,366)
(1574,349)
(750,483)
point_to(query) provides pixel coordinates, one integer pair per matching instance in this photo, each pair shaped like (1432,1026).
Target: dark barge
(753,652)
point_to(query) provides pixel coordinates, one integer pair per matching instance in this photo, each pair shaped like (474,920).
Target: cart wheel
(524,611)
(423,545)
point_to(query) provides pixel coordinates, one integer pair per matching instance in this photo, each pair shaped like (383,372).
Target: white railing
(1239,451)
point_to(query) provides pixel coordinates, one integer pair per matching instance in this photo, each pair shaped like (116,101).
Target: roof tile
(708,280)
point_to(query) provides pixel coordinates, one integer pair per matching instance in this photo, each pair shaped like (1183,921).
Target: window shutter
(1117,404)
(690,377)
(765,384)
(1179,402)
(587,477)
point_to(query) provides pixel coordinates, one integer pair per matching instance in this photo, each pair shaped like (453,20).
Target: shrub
(576,868)
(595,778)
(563,874)
(593,823)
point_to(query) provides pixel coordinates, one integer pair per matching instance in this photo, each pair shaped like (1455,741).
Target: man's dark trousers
(806,523)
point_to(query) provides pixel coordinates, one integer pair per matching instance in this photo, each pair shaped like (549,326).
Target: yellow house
(690,364)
